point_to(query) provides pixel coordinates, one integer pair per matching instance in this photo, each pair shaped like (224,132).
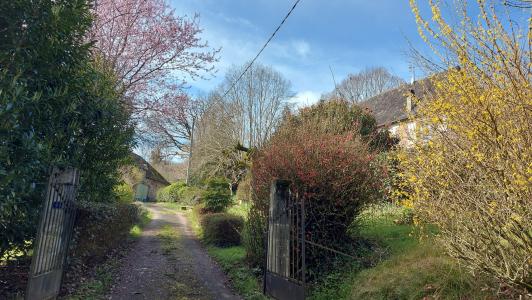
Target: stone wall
(154,187)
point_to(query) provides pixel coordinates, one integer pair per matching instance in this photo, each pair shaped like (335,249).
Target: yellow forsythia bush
(470,167)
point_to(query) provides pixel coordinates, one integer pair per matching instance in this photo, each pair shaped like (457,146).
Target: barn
(149,182)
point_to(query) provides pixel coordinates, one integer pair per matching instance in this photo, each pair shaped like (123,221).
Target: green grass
(169,240)
(193,217)
(405,266)
(232,259)
(97,287)
(423,271)
(244,280)
(136,231)
(240,209)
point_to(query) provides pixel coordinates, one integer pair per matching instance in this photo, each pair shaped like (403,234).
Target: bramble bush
(325,152)
(253,235)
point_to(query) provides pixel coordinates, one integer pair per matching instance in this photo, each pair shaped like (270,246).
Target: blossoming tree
(152,50)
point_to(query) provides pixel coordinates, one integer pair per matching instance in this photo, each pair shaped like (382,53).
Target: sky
(344,36)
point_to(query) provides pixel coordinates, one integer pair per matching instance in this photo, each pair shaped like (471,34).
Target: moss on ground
(184,284)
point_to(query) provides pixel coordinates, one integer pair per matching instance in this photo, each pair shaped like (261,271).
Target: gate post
(278,260)
(282,280)
(53,235)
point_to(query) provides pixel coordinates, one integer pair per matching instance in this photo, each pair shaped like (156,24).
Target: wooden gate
(285,270)
(53,235)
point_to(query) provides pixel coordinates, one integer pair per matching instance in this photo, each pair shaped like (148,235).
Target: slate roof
(151,173)
(390,106)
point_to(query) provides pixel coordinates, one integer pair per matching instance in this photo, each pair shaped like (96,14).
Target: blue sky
(347,35)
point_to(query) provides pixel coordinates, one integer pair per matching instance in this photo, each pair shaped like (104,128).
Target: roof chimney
(409,101)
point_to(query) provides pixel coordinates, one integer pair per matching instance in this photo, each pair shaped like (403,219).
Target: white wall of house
(405,131)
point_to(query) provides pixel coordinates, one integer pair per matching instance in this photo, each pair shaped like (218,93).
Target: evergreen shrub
(222,229)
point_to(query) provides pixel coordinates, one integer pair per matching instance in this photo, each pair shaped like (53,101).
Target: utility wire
(262,49)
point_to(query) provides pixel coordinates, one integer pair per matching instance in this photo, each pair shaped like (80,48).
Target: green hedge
(59,106)
(222,229)
(179,192)
(100,228)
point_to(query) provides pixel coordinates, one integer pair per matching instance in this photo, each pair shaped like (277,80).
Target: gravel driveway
(168,262)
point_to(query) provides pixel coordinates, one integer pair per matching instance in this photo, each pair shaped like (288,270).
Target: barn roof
(390,106)
(151,173)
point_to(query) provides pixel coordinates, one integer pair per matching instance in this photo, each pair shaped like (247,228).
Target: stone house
(393,108)
(147,182)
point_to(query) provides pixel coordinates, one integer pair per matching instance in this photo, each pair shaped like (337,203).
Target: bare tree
(232,124)
(365,84)
(217,138)
(172,124)
(259,98)
(169,169)
(527,4)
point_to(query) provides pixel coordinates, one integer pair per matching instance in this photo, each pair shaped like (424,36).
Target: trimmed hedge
(100,228)
(222,229)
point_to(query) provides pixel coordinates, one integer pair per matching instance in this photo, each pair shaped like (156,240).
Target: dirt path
(167,262)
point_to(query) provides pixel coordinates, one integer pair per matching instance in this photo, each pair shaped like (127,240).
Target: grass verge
(144,219)
(401,265)
(244,280)
(104,274)
(232,260)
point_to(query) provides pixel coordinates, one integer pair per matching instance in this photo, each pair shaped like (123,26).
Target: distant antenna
(334,81)
(413,73)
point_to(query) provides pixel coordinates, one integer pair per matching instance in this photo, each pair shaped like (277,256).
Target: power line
(262,49)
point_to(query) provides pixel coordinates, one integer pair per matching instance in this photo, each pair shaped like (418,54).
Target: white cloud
(306,98)
(301,47)
(237,21)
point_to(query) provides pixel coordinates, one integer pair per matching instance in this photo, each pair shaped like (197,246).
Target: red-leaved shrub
(330,167)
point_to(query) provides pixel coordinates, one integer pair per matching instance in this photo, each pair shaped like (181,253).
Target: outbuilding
(149,182)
